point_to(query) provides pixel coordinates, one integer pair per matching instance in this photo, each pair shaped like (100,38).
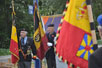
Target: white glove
(55,40)
(49,44)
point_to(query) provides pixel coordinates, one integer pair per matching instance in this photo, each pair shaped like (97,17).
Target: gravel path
(4,58)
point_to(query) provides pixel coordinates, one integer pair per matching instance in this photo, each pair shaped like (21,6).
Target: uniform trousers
(24,64)
(51,63)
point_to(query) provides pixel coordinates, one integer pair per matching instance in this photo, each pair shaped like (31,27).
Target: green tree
(5,23)
(24,20)
(96,6)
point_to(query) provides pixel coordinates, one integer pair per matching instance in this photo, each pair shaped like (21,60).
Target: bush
(4,52)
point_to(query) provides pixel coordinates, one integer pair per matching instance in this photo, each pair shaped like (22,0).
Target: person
(50,55)
(95,60)
(99,20)
(26,45)
(100,31)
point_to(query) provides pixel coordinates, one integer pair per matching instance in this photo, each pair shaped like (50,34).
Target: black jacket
(27,49)
(50,53)
(95,60)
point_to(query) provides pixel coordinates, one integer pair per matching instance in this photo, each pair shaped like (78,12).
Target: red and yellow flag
(40,39)
(77,44)
(14,46)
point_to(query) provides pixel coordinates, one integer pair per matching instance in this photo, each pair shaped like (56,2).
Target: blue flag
(30,9)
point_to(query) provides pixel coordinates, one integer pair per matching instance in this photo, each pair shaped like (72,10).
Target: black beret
(51,25)
(23,29)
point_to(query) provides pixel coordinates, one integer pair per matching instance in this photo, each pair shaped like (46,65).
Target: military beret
(51,25)
(23,29)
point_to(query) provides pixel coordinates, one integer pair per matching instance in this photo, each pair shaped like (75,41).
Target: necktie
(22,41)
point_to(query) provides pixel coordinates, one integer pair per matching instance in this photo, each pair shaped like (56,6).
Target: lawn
(4,52)
(100,42)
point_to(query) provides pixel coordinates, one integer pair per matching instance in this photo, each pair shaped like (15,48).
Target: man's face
(50,29)
(23,34)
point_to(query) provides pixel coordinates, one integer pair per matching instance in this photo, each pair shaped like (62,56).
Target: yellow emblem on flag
(39,33)
(77,15)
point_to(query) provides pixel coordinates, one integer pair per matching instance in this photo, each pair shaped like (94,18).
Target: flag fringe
(62,19)
(15,56)
(71,65)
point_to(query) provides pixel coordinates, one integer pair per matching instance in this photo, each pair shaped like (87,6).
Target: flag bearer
(26,46)
(50,55)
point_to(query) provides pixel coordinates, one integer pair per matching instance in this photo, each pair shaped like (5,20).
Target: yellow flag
(14,34)
(77,15)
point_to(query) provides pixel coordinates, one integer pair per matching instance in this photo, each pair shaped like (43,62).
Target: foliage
(97,10)
(5,24)
(4,52)
(99,42)
(52,7)
(24,20)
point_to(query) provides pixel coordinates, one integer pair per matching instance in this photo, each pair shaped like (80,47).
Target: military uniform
(95,60)
(25,48)
(50,55)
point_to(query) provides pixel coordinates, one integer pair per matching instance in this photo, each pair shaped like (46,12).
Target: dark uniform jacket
(27,49)
(50,53)
(95,60)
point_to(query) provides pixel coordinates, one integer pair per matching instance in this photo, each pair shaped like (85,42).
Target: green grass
(99,42)
(4,52)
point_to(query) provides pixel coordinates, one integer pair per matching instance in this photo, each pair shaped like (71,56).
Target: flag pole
(13,12)
(13,20)
(13,5)
(92,24)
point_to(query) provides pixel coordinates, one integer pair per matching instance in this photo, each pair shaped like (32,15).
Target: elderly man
(99,20)
(50,55)
(100,31)
(95,60)
(26,46)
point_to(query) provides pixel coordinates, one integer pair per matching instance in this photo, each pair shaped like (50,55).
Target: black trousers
(24,64)
(51,63)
